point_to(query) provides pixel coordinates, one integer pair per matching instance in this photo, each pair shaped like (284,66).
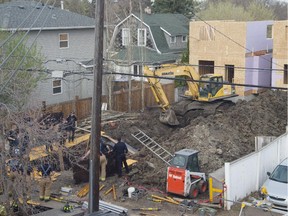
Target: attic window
(184,38)
(172,39)
(141,37)
(64,40)
(125,36)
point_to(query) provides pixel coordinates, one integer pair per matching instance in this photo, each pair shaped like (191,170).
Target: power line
(31,46)
(200,81)
(22,39)
(234,40)
(11,35)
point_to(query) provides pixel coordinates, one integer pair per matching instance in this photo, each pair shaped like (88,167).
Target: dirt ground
(222,137)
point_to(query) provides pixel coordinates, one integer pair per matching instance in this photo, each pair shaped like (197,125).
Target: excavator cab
(186,159)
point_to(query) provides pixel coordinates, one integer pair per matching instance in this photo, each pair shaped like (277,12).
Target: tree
(185,7)
(226,10)
(19,84)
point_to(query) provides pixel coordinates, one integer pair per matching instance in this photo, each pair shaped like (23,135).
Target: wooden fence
(83,107)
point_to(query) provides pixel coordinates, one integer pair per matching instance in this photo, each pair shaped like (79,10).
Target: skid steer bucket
(169,117)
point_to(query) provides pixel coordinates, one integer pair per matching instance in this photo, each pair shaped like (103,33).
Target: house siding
(178,44)
(280,52)
(81,48)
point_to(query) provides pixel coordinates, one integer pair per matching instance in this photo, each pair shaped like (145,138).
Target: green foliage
(260,12)
(19,86)
(227,10)
(185,7)
(185,55)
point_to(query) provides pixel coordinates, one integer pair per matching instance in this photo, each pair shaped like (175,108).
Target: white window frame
(59,86)
(139,36)
(173,39)
(125,36)
(138,71)
(184,38)
(64,47)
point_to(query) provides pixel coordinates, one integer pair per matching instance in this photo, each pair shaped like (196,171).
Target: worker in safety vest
(45,182)
(102,159)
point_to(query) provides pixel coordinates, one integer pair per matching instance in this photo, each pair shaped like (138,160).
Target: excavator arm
(168,116)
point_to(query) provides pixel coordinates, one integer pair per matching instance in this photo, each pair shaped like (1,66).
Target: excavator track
(183,111)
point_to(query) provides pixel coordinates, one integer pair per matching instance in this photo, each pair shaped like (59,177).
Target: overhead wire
(18,27)
(234,40)
(31,46)
(24,36)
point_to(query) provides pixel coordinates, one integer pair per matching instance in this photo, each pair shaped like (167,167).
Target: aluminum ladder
(154,147)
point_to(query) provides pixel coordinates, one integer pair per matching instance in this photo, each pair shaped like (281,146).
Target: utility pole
(94,160)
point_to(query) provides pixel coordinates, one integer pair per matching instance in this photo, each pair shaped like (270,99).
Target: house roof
(12,14)
(174,24)
(145,55)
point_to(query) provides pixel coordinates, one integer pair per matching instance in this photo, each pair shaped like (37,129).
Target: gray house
(66,39)
(149,39)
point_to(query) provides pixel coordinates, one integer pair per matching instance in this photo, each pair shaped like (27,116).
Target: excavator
(207,91)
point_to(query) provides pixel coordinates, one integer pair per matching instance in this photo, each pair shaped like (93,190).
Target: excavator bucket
(169,117)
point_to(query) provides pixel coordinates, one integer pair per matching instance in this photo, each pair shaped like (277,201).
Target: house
(280,54)
(150,39)
(65,40)
(240,51)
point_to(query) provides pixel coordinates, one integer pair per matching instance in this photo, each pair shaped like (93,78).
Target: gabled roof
(145,55)
(12,14)
(173,24)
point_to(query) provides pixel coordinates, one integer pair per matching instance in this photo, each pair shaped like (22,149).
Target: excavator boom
(205,88)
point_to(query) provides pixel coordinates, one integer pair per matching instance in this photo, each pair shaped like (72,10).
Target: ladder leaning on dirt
(153,146)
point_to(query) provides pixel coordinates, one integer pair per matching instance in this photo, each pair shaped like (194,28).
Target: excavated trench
(222,136)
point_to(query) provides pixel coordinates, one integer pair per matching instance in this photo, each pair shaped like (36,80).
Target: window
(207,33)
(137,69)
(63,40)
(57,86)
(125,36)
(184,38)
(269,31)
(285,77)
(172,39)
(206,67)
(141,37)
(229,73)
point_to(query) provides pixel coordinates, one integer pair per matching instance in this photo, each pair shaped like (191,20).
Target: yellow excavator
(206,91)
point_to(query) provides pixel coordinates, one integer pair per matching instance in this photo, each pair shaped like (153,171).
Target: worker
(120,150)
(45,182)
(102,158)
(13,138)
(71,126)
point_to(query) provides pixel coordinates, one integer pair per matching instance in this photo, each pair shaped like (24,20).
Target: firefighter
(72,124)
(120,150)
(45,182)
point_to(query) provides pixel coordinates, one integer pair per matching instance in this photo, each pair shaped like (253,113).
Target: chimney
(147,10)
(62,5)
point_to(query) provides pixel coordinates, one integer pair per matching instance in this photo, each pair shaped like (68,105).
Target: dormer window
(184,38)
(141,37)
(125,36)
(172,39)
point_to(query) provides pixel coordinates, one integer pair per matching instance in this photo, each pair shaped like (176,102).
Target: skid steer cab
(183,176)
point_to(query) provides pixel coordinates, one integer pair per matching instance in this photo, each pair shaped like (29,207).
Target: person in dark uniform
(71,126)
(45,182)
(120,150)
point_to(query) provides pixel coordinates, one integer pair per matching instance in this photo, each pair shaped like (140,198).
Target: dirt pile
(220,138)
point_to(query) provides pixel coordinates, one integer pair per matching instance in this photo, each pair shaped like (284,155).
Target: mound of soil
(222,137)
